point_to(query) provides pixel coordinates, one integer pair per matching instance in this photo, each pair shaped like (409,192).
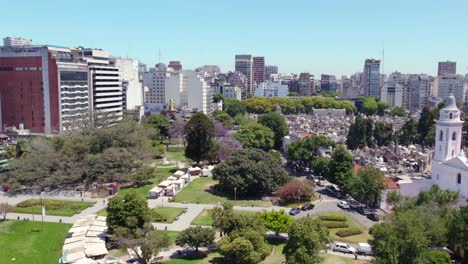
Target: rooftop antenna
(383,57)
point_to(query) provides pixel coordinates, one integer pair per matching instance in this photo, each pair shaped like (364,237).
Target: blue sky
(318,36)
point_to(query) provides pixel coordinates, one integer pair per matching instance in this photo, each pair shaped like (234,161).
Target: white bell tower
(448,131)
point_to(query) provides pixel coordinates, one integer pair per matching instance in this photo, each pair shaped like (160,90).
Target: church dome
(450,103)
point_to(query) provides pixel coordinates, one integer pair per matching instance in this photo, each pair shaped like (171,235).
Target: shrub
(348,232)
(332,217)
(334,224)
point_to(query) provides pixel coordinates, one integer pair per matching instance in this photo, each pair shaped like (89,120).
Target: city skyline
(300,37)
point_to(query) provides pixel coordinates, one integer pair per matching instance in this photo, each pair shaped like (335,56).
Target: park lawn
(171,234)
(276,256)
(211,258)
(198,192)
(103,212)
(333,259)
(159,175)
(363,237)
(24,241)
(176,154)
(169,213)
(53,207)
(205,218)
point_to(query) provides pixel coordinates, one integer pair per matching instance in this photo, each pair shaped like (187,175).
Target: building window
(441,135)
(437,176)
(450,115)
(453,152)
(454,136)
(459,178)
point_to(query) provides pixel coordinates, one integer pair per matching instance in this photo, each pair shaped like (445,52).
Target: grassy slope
(171,213)
(24,241)
(205,219)
(69,208)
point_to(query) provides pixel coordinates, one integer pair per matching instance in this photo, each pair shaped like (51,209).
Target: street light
(42,209)
(235,193)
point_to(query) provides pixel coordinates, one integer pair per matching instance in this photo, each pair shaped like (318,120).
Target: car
(343,205)
(353,204)
(343,247)
(339,194)
(320,183)
(330,188)
(364,249)
(295,211)
(363,211)
(307,207)
(373,217)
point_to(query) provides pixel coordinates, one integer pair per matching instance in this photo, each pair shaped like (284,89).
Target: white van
(343,247)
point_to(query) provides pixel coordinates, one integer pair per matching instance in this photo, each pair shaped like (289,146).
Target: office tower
(392,94)
(107,94)
(44,89)
(155,83)
(327,83)
(243,64)
(451,84)
(371,78)
(175,65)
(258,69)
(12,41)
(269,70)
(447,67)
(132,87)
(306,84)
(271,89)
(188,90)
(240,80)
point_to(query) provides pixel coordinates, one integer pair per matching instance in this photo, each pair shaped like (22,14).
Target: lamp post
(235,193)
(42,210)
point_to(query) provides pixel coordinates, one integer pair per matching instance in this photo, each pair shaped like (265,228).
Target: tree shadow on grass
(218,260)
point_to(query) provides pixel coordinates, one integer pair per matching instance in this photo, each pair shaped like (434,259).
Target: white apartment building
(133,89)
(12,41)
(450,84)
(271,89)
(107,97)
(155,84)
(232,92)
(392,94)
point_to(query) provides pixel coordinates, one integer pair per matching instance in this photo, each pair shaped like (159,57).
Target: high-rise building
(447,67)
(392,94)
(306,84)
(107,94)
(12,41)
(371,78)
(238,79)
(133,89)
(258,69)
(175,65)
(243,64)
(154,81)
(269,70)
(349,88)
(419,90)
(328,83)
(451,84)
(232,92)
(43,89)
(271,89)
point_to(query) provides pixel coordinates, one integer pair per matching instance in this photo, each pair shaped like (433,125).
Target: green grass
(205,218)
(176,154)
(53,207)
(24,241)
(363,237)
(276,256)
(211,258)
(171,234)
(168,214)
(333,259)
(159,175)
(198,192)
(103,212)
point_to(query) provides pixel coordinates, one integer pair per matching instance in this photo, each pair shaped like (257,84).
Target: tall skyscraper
(269,70)
(371,78)
(447,67)
(155,82)
(243,64)
(258,70)
(44,88)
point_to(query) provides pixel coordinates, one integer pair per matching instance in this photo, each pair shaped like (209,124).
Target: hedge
(334,224)
(348,232)
(332,217)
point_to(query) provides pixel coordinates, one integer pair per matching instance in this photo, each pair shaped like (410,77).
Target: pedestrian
(82,199)
(355,255)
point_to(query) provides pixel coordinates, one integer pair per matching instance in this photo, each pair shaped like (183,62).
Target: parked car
(353,204)
(331,189)
(373,217)
(363,211)
(307,207)
(364,249)
(339,194)
(343,205)
(295,211)
(320,183)
(343,247)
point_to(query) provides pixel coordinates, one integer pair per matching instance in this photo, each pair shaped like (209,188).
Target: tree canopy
(234,107)
(341,166)
(128,211)
(255,135)
(277,221)
(261,105)
(277,123)
(306,150)
(367,185)
(195,237)
(199,133)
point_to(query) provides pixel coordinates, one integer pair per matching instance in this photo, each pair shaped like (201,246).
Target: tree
(321,166)
(357,134)
(218,97)
(381,106)
(176,130)
(369,132)
(341,166)
(160,123)
(199,133)
(397,111)
(220,129)
(425,123)
(277,221)
(277,123)
(195,237)
(367,186)
(226,147)
(234,107)
(383,133)
(369,106)
(246,246)
(222,216)
(141,176)
(5,208)
(306,238)
(307,149)
(130,211)
(457,226)
(436,257)
(296,191)
(250,172)
(409,132)
(255,135)
(224,118)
